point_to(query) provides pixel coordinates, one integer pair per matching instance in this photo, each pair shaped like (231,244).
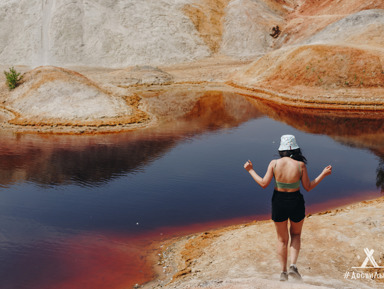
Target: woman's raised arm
(263,182)
(309,185)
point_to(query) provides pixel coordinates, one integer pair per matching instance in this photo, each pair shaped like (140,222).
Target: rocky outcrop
(247,28)
(57,96)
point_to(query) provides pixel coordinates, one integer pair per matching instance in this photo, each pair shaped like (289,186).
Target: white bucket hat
(288,142)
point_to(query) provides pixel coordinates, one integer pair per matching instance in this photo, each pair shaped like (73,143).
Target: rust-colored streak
(207,16)
(329,67)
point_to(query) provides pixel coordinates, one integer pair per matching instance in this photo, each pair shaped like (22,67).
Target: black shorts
(288,205)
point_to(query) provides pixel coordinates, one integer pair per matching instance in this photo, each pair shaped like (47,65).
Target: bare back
(287,171)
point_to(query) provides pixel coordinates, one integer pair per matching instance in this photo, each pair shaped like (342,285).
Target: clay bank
(57,100)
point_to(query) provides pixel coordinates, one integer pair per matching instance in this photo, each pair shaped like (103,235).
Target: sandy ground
(243,256)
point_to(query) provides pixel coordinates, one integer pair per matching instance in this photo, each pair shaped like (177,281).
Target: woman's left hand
(248,165)
(327,170)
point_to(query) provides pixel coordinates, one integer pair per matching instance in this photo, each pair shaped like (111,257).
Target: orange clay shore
(243,256)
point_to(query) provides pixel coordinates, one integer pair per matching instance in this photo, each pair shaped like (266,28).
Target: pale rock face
(362,28)
(115,33)
(59,100)
(247,26)
(20,31)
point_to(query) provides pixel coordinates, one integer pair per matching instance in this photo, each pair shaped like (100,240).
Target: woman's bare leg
(295,232)
(282,243)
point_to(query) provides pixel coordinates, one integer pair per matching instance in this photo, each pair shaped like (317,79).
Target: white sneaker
(284,276)
(294,273)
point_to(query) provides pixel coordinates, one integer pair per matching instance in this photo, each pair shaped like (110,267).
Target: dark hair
(294,154)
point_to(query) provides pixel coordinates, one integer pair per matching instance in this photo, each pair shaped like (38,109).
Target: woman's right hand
(248,165)
(327,170)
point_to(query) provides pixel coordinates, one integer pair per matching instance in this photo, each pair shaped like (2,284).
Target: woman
(287,201)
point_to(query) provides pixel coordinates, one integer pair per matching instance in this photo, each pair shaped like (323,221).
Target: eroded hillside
(123,33)
(303,53)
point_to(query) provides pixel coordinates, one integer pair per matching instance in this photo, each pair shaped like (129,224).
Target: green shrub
(13,78)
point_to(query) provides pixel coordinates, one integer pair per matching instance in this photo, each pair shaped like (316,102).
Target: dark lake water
(73,208)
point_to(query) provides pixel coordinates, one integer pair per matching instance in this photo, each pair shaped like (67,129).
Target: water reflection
(328,122)
(63,160)
(92,188)
(78,205)
(95,160)
(364,130)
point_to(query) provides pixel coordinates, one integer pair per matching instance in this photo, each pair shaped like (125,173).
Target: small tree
(13,78)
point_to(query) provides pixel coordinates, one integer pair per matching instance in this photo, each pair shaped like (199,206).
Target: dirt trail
(243,256)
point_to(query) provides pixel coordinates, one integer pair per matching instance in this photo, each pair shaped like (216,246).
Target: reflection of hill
(218,109)
(79,162)
(354,129)
(330,122)
(89,160)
